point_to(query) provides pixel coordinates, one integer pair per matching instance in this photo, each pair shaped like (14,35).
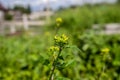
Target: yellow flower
(63,39)
(54,48)
(105,50)
(59,20)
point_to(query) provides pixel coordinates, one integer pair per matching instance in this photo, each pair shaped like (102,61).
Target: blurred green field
(80,18)
(26,56)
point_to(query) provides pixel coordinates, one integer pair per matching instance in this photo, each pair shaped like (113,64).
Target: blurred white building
(3,10)
(40,14)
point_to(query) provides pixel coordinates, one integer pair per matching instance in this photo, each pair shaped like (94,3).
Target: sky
(54,4)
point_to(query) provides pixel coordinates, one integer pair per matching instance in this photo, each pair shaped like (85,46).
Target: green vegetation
(22,9)
(88,56)
(80,18)
(8,17)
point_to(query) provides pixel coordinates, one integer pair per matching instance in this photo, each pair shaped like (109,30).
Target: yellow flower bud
(105,50)
(59,20)
(54,48)
(63,39)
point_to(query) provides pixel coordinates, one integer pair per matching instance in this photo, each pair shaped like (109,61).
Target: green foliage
(81,18)
(28,11)
(23,9)
(8,17)
(26,57)
(92,60)
(118,1)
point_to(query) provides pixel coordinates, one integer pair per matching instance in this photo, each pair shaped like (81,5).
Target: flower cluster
(59,21)
(105,50)
(54,48)
(106,56)
(61,40)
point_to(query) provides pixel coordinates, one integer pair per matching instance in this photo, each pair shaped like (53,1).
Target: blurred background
(27,29)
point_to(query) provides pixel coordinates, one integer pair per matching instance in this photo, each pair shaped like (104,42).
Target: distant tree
(23,9)
(45,9)
(28,10)
(8,17)
(61,8)
(73,6)
(118,1)
(19,8)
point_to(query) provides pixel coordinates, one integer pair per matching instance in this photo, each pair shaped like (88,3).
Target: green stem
(56,30)
(54,65)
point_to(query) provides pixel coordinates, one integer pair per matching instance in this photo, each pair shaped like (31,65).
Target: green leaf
(60,66)
(85,47)
(75,48)
(116,63)
(46,62)
(69,63)
(61,57)
(61,78)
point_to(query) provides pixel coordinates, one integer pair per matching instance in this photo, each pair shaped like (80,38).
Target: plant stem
(56,30)
(54,65)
